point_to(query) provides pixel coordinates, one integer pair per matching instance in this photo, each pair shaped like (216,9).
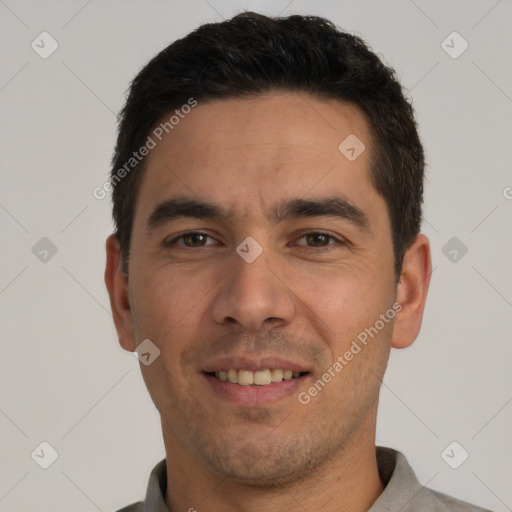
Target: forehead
(248,153)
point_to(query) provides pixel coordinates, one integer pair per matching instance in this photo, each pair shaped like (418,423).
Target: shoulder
(448,503)
(404,493)
(134,507)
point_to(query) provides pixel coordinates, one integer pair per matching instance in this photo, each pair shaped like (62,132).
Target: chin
(265,465)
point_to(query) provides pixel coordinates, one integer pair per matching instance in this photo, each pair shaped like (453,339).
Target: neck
(349,481)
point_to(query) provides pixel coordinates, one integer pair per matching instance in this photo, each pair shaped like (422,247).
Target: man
(267,186)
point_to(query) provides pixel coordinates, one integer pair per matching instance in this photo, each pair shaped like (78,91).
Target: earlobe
(117,287)
(412,292)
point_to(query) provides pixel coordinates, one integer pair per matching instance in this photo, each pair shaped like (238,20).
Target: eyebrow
(338,207)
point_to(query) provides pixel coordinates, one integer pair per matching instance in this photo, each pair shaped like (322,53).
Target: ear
(117,287)
(412,292)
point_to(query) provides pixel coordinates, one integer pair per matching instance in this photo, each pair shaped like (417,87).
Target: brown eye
(316,239)
(192,239)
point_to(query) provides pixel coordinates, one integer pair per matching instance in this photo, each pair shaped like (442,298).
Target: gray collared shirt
(402,493)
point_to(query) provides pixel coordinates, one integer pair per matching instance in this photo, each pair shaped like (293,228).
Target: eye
(317,239)
(192,239)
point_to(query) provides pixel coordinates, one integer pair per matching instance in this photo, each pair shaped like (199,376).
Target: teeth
(258,378)
(276,375)
(245,377)
(232,376)
(262,377)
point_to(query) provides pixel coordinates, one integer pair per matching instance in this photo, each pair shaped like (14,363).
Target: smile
(255,378)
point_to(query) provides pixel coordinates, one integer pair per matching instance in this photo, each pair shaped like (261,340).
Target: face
(260,252)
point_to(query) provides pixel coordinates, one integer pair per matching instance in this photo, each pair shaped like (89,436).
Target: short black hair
(251,54)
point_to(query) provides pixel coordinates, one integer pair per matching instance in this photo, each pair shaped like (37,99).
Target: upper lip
(254,363)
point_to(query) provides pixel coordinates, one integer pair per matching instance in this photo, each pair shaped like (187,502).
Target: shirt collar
(401,484)
(157,487)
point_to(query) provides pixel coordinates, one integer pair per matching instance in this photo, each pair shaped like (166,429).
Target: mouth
(258,387)
(248,381)
(265,377)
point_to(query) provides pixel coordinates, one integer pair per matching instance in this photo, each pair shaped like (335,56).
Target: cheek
(165,301)
(343,300)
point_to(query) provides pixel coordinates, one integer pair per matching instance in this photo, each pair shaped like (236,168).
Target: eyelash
(332,238)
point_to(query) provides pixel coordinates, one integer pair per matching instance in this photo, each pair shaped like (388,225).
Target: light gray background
(65,380)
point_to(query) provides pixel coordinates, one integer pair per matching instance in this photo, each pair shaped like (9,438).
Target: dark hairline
(237,58)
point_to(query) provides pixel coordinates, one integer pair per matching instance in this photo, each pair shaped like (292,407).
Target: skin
(305,298)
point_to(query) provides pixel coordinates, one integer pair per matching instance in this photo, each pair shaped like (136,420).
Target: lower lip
(253,396)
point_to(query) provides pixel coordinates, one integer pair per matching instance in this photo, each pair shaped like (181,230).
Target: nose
(254,296)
